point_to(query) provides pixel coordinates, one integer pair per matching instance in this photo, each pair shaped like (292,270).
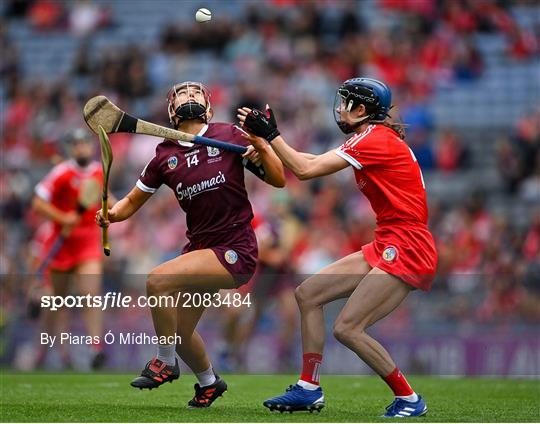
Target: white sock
(410,398)
(306,385)
(206,378)
(166,353)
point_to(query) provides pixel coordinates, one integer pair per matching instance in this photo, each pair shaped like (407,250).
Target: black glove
(262,124)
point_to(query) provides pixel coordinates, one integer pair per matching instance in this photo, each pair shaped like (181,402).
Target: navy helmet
(373,94)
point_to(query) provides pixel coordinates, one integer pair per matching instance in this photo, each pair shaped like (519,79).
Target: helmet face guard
(373,94)
(190,109)
(76,136)
(71,143)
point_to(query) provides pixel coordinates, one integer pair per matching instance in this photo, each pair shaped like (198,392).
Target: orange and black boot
(205,396)
(156,373)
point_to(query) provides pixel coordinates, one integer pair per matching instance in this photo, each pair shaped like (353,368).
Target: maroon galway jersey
(208,182)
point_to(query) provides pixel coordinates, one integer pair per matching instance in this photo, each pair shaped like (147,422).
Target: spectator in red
(459,17)
(450,154)
(531,246)
(505,292)
(522,43)
(46,14)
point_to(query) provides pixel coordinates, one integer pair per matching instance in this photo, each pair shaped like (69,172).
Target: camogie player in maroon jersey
(377,279)
(222,248)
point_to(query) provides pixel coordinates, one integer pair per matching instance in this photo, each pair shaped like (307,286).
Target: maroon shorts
(236,250)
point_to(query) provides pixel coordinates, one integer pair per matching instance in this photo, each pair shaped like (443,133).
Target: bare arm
(304,165)
(273,167)
(111,199)
(264,156)
(308,156)
(124,208)
(49,211)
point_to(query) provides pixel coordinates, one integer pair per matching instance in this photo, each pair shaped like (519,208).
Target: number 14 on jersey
(192,160)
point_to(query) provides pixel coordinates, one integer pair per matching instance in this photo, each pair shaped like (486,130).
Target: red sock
(398,383)
(311,368)
(97,347)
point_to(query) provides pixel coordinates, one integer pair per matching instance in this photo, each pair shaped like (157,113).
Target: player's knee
(302,295)
(343,332)
(152,286)
(339,331)
(156,283)
(306,297)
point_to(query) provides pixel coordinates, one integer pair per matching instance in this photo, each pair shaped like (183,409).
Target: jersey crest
(389,254)
(172,162)
(212,151)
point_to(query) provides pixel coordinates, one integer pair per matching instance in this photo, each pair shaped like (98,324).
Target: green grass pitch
(34,397)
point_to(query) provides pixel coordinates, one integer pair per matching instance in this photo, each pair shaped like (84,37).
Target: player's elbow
(35,201)
(279,182)
(37,204)
(304,171)
(303,175)
(276,176)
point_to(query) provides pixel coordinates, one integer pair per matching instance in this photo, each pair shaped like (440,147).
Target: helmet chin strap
(348,128)
(83,161)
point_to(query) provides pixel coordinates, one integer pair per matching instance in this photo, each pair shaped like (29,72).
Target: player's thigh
(88,277)
(335,281)
(378,294)
(197,270)
(90,267)
(61,282)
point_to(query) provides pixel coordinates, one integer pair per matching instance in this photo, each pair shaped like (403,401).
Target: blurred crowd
(518,157)
(292,55)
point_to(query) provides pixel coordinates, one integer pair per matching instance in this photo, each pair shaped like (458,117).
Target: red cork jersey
(388,173)
(61,187)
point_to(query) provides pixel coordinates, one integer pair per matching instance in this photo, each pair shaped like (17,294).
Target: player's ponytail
(397,127)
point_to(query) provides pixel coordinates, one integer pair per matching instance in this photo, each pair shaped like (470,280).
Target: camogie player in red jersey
(401,258)
(222,249)
(79,258)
